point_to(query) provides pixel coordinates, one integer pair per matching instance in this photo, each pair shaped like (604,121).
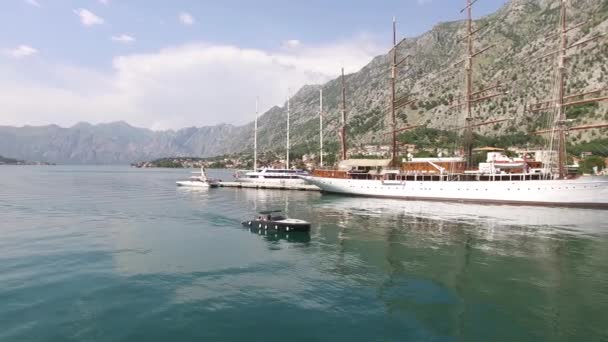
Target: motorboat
(199,180)
(276,221)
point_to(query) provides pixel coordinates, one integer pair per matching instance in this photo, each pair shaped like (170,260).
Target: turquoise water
(117,254)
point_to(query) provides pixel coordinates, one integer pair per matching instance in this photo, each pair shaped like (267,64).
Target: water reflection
(298,237)
(134,249)
(264,199)
(202,223)
(437,269)
(541,219)
(461,268)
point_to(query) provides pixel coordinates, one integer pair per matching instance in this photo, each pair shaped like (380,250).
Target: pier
(254,185)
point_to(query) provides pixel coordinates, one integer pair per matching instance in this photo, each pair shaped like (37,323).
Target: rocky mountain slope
(518,33)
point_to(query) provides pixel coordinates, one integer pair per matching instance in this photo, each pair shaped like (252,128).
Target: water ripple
(114,253)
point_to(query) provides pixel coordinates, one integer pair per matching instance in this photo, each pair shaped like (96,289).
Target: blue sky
(147,62)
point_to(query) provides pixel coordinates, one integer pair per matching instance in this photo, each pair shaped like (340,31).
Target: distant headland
(13,161)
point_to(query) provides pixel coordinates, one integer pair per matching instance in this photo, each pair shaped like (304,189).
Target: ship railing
(391,170)
(326,168)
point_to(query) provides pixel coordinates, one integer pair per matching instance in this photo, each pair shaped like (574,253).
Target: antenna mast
(255,137)
(288,112)
(343,128)
(321,127)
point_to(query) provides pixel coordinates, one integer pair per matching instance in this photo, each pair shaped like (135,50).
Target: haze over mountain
(112,143)
(518,31)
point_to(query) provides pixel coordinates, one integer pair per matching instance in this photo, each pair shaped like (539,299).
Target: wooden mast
(288,113)
(393,81)
(468,65)
(561,143)
(343,127)
(396,103)
(321,127)
(562,100)
(470,98)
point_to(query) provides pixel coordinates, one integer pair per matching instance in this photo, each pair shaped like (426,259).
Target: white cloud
(33,3)
(186,18)
(193,84)
(123,38)
(291,44)
(88,18)
(21,51)
(104,2)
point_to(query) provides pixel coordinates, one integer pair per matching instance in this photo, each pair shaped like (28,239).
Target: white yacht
(273,176)
(199,180)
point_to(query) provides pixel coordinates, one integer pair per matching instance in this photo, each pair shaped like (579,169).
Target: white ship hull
(586,191)
(276,181)
(197,184)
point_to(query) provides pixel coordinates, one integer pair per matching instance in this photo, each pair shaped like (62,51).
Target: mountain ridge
(518,30)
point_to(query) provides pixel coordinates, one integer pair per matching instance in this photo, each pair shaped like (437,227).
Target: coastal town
(585,161)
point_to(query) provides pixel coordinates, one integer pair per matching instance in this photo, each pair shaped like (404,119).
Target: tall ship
(541,178)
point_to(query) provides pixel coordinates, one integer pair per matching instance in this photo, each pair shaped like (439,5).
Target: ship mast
(393,81)
(396,103)
(343,127)
(562,101)
(288,113)
(561,140)
(255,137)
(468,66)
(471,98)
(321,127)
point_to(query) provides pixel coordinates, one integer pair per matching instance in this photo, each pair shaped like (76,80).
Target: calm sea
(121,254)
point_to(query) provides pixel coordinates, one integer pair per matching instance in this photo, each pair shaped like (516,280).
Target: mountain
(112,143)
(518,33)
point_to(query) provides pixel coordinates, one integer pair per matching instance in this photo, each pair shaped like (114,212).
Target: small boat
(199,181)
(274,220)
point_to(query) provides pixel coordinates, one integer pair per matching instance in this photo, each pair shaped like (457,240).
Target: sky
(171,64)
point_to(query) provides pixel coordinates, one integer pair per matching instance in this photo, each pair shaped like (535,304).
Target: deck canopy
(488,149)
(362,164)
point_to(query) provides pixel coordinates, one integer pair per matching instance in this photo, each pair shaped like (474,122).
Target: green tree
(425,154)
(169,164)
(587,164)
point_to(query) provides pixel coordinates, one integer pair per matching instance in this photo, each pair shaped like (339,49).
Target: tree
(587,164)
(425,154)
